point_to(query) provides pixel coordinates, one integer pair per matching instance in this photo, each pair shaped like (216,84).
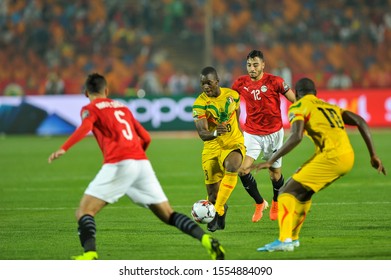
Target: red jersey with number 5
(119,135)
(262,99)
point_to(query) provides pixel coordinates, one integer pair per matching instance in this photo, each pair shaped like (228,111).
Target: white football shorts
(265,144)
(134,178)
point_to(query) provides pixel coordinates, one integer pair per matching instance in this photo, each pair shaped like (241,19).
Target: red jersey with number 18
(262,99)
(119,135)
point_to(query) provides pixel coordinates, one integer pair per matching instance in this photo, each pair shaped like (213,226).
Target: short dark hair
(209,70)
(95,83)
(255,53)
(305,86)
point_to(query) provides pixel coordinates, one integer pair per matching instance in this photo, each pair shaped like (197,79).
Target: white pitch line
(180,206)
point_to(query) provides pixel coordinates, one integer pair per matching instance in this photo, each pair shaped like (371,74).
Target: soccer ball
(203,211)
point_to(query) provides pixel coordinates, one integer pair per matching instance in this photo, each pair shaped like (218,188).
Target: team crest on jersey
(263,88)
(85,114)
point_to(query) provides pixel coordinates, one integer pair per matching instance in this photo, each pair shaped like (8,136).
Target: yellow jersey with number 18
(221,109)
(323,124)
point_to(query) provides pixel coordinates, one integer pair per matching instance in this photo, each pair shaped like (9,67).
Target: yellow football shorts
(213,163)
(320,171)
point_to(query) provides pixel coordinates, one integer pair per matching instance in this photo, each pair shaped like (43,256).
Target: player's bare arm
(203,132)
(290,95)
(351,118)
(297,132)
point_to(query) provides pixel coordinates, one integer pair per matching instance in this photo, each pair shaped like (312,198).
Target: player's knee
(275,174)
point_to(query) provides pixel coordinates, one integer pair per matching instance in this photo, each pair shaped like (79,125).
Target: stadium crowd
(49,46)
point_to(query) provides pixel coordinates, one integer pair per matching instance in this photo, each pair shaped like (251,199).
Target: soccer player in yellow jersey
(216,116)
(325,124)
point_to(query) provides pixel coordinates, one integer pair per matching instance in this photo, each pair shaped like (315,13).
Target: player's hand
(221,129)
(377,164)
(56,155)
(259,166)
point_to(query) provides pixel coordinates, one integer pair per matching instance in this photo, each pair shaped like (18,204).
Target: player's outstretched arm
(76,136)
(351,118)
(259,166)
(291,96)
(295,137)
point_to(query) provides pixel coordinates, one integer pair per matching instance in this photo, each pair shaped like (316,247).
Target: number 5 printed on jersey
(127,132)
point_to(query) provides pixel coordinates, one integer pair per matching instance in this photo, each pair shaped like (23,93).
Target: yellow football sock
(227,186)
(286,209)
(301,211)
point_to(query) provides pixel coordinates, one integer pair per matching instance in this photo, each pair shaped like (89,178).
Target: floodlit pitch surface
(348,220)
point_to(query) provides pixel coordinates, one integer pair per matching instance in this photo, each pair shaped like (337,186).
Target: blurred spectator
(283,71)
(150,83)
(178,83)
(54,85)
(13,89)
(173,16)
(118,38)
(340,80)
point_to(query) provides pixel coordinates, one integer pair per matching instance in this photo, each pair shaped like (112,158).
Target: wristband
(215,133)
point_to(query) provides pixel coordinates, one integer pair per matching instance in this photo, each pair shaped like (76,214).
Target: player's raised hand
(56,155)
(377,164)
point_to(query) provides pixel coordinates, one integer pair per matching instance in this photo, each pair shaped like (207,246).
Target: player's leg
(147,191)
(287,200)
(316,174)
(213,173)
(277,180)
(165,213)
(301,211)
(231,163)
(212,190)
(108,186)
(273,143)
(89,207)
(253,149)
(232,160)
(295,197)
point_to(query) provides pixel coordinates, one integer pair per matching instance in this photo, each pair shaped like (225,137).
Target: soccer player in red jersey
(126,169)
(263,130)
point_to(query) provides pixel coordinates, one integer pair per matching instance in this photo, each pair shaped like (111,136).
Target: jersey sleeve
(143,134)
(88,119)
(296,112)
(199,110)
(78,134)
(238,83)
(281,85)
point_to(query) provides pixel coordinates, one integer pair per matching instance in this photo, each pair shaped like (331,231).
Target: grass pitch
(348,220)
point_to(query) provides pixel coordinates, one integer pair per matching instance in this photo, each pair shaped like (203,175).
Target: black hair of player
(95,83)
(209,70)
(305,86)
(255,53)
